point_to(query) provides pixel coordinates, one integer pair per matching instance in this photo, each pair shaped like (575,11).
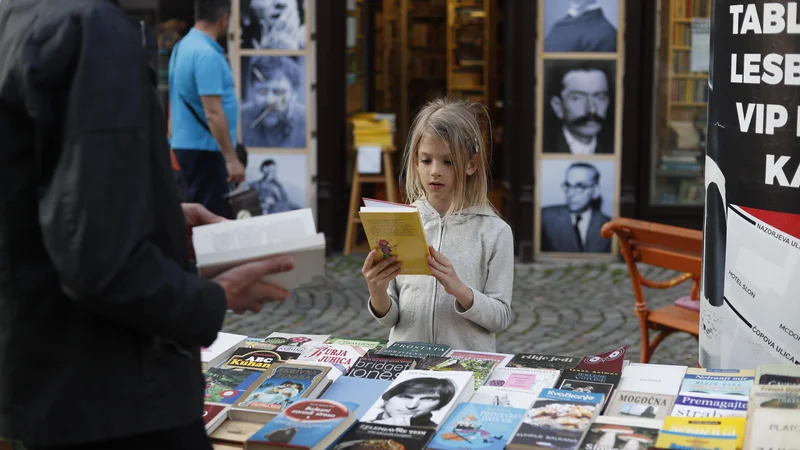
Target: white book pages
(652,378)
(258,231)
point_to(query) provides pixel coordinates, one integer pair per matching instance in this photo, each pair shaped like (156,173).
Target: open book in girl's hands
(224,245)
(395,229)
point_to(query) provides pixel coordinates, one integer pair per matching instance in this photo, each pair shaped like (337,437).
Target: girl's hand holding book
(445,273)
(380,274)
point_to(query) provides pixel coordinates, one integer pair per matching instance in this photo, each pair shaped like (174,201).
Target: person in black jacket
(101,316)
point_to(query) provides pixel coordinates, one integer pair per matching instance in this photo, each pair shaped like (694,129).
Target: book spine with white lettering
(708,406)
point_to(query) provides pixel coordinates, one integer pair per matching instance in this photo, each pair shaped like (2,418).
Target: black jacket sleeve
(97,195)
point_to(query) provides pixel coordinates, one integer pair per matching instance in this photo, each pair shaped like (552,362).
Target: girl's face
(435,170)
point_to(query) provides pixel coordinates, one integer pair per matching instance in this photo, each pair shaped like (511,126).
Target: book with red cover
(213,415)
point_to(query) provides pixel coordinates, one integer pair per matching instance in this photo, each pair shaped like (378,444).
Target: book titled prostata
(394,229)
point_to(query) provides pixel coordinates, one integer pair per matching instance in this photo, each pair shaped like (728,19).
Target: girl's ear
(472,165)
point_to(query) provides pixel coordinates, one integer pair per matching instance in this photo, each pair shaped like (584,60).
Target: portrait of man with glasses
(574,226)
(580,119)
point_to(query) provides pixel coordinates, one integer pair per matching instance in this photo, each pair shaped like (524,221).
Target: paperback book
(224,245)
(558,419)
(617,433)
(478,426)
(642,405)
(480,368)
(225,385)
(307,424)
(279,387)
(416,350)
(370,436)
(395,229)
(535,361)
(380,368)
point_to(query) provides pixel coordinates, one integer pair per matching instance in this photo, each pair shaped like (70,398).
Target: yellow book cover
(382,141)
(725,433)
(396,230)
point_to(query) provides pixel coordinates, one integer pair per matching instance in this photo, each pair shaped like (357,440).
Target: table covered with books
(330,392)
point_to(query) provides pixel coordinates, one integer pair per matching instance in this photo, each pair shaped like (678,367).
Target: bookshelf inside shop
(470,49)
(355,62)
(387,55)
(474,53)
(681,102)
(426,67)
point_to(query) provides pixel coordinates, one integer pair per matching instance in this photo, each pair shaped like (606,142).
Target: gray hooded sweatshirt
(480,246)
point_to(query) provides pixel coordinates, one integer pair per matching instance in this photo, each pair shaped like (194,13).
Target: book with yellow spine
(395,229)
(726,433)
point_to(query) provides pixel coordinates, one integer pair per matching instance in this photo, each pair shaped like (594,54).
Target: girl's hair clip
(476,146)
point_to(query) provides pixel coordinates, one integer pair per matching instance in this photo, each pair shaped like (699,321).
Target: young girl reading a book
(468,298)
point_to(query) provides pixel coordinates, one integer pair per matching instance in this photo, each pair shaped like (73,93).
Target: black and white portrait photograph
(417,402)
(273,24)
(577,198)
(579,106)
(279,179)
(273,101)
(581,25)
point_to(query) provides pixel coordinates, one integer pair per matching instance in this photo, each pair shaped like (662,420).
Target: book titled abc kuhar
(395,229)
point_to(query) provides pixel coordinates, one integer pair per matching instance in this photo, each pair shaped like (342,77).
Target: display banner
(750,314)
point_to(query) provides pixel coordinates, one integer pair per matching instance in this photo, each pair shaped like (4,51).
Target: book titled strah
(394,229)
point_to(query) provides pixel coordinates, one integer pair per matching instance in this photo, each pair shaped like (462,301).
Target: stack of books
(373,129)
(336,393)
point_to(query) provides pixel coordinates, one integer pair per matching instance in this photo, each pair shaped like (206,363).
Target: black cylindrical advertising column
(750,310)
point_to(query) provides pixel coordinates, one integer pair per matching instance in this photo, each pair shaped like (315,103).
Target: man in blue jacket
(101,317)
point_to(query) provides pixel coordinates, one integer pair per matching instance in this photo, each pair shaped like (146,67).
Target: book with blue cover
(308,424)
(362,391)
(696,406)
(477,426)
(718,382)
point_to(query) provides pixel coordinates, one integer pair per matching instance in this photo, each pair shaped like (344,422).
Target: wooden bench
(675,248)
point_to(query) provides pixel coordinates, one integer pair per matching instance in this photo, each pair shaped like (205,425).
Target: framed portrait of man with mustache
(579,106)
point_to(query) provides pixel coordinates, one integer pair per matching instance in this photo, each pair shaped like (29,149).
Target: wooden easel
(386,177)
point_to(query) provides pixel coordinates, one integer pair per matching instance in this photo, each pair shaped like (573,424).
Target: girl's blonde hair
(454,122)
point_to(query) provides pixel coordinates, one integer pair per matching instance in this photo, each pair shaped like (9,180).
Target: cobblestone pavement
(574,309)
